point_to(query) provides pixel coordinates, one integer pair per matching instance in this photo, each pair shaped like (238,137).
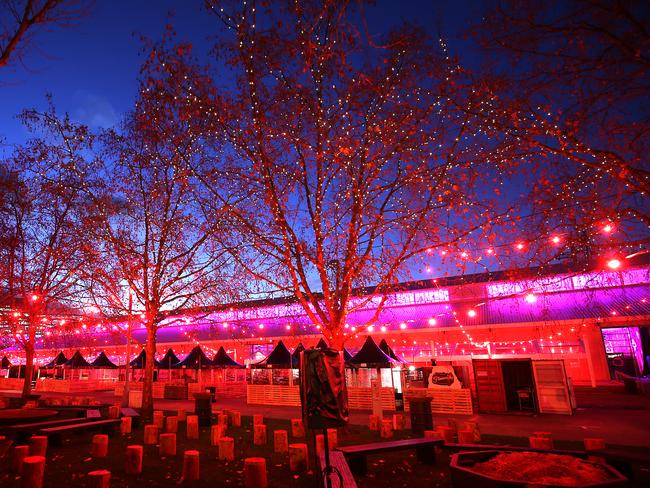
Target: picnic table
(23,415)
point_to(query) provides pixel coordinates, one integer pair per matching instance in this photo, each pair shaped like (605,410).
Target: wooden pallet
(273,395)
(360,398)
(443,401)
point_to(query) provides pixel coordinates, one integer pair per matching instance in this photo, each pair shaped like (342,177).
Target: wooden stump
(168,444)
(171,424)
(465,437)
(114,412)
(280,441)
(297,428)
(38,445)
(546,435)
(227,449)
(159,419)
(332,439)
(17,457)
(192,427)
(258,419)
(125,426)
(432,434)
(133,459)
(541,442)
(99,479)
(181,414)
(235,419)
(386,431)
(447,433)
(398,421)
(594,444)
(216,433)
(150,435)
(298,460)
(255,473)
(320,444)
(473,426)
(32,472)
(259,434)
(191,465)
(373,422)
(99,446)
(222,419)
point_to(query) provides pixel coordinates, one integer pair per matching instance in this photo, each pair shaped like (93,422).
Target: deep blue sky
(91,68)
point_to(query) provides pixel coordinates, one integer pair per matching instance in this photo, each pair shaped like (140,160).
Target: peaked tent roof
(295,357)
(140,360)
(321,344)
(383,345)
(77,361)
(169,360)
(346,355)
(195,359)
(102,361)
(371,356)
(222,360)
(5,364)
(280,357)
(58,360)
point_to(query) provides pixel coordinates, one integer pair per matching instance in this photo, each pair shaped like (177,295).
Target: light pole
(127,367)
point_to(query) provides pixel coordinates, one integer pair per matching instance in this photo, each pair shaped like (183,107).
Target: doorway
(518,385)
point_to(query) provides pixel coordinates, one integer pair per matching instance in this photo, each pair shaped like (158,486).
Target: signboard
(443,377)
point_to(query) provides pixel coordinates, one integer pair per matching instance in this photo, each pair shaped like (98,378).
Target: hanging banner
(443,377)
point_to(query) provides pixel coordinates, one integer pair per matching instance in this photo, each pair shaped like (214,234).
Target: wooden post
(298,460)
(227,449)
(594,444)
(235,418)
(192,427)
(150,435)
(222,419)
(159,419)
(447,433)
(125,426)
(373,422)
(473,426)
(172,424)
(398,421)
(541,442)
(18,455)
(386,431)
(99,446)
(258,419)
(133,459)
(191,465)
(181,414)
(114,412)
(99,479)
(167,444)
(216,433)
(259,434)
(255,473)
(297,428)
(465,437)
(332,438)
(32,472)
(320,444)
(280,441)
(38,445)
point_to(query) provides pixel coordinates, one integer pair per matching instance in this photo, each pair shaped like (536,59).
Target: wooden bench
(56,433)
(340,465)
(135,416)
(356,455)
(21,432)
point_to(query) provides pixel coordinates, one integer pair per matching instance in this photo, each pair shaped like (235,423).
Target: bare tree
(19,19)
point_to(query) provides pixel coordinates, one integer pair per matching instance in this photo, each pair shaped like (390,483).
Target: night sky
(91,68)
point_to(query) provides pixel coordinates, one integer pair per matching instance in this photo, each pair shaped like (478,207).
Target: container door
(489,385)
(551,386)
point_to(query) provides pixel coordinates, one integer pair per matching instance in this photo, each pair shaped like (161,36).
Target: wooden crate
(443,401)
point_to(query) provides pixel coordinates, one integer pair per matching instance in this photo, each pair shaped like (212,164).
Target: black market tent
(5,363)
(77,361)
(383,345)
(169,360)
(295,357)
(140,361)
(195,359)
(370,356)
(59,360)
(280,357)
(222,360)
(102,361)
(346,355)
(321,344)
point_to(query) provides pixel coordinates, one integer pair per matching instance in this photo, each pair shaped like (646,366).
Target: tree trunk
(29,367)
(147,387)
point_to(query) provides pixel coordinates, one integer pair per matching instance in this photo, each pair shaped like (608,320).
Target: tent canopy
(280,357)
(222,360)
(372,357)
(169,360)
(77,361)
(321,344)
(140,361)
(58,360)
(383,345)
(346,355)
(6,364)
(102,361)
(195,359)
